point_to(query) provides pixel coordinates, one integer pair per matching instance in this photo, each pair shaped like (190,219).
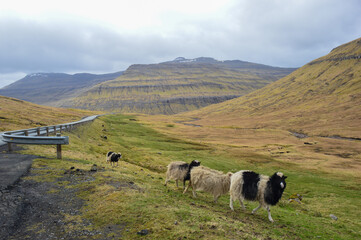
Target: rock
(295,198)
(94,168)
(143,232)
(333,217)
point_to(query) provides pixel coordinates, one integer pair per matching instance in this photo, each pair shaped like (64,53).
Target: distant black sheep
(113,158)
(180,171)
(253,186)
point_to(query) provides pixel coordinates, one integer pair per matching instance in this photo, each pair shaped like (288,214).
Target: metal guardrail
(35,140)
(36,135)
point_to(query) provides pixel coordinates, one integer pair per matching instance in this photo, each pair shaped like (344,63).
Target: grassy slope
(132,197)
(321,98)
(144,84)
(17,114)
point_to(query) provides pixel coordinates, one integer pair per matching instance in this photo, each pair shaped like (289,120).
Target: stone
(143,232)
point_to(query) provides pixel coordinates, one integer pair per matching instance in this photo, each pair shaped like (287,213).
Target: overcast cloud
(109,36)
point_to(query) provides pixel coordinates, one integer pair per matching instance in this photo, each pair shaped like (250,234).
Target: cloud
(279,33)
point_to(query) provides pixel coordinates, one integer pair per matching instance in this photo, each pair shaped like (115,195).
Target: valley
(306,125)
(131,198)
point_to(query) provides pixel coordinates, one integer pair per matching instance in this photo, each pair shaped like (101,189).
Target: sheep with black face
(255,187)
(180,171)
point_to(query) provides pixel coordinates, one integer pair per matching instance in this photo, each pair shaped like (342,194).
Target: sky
(110,35)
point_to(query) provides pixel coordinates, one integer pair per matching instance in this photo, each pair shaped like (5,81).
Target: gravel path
(43,210)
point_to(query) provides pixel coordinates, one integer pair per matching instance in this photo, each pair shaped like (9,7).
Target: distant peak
(183,60)
(200,59)
(37,75)
(178,59)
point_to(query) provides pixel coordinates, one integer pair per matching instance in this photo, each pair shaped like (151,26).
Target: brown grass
(334,156)
(17,114)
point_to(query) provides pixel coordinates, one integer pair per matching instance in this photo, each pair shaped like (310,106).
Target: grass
(33,115)
(132,197)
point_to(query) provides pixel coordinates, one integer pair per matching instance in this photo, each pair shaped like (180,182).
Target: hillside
(178,86)
(53,89)
(18,114)
(321,98)
(121,202)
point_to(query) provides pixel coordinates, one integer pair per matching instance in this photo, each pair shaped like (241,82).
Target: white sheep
(180,171)
(209,180)
(253,186)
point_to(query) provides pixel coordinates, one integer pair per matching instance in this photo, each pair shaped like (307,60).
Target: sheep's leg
(194,192)
(269,214)
(242,204)
(215,198)
(256,209)
(166,181)
(186,190)
(231,203)
(176,182)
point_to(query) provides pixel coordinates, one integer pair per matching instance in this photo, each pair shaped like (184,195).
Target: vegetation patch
(131,199)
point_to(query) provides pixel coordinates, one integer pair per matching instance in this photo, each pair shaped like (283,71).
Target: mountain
(177,86)
(19,114)
(53,89)
(321,98)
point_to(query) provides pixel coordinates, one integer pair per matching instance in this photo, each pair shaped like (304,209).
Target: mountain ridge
(53,88)
(183,79)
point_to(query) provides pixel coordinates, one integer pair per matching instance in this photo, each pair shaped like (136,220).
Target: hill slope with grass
(321,98)
(18,114)
(53,89)
(178,86)
(120,202)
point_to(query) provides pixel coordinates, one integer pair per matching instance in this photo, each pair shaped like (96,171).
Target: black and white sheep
(253,186)
(113,157)
(180,171)
(209,180)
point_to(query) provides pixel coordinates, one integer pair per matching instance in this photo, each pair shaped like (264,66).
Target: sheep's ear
(230,174)
(284,177)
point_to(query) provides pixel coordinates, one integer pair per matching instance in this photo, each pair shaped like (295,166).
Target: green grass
(132,196)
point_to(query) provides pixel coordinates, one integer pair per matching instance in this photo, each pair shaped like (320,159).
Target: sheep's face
(278,179)
(195,163)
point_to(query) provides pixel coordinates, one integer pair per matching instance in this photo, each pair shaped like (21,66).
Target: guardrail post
(26,133)
(47,131)
(58,151)
(10,147)
(38,131)
(58,148)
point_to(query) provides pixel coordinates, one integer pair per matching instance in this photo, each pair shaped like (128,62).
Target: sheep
(107,159)
(180,171)
(113,158)
(253,186)
(209,180)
